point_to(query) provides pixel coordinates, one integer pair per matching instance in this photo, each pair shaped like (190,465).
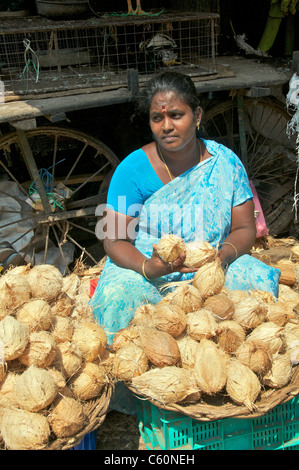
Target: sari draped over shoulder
(195,206)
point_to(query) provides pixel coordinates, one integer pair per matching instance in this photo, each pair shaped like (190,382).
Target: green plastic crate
(168,430)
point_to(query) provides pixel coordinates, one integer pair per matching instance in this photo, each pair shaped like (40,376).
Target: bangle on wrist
(143,270)
(228,243)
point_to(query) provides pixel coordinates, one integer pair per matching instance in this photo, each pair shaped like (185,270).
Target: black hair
(176,82)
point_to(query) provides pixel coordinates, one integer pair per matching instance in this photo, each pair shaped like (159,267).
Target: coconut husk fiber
(221,406)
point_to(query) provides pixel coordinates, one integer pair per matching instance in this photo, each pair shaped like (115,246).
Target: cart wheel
(271,154)
(51,180)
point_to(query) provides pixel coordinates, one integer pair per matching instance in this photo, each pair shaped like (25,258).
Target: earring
(198,124)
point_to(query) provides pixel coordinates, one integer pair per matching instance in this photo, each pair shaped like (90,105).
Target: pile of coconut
(201,340)
(53,356)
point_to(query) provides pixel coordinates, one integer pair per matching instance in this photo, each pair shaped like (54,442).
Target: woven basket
(220,406)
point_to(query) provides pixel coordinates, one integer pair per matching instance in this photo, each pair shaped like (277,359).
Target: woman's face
(172,121)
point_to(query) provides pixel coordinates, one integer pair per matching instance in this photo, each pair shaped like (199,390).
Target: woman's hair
(178,83)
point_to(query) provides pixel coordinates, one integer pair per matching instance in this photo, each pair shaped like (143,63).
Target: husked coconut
(35,389)
(188,350)
(23,430)
(230,335)
(291,334)
(71,284)
(58,378)
(129,361)
(46,281)
(201,324)
(280,373)
(14,337)
(263,295)
(7,394)
(250,312)
(210,367)
(209,279)
(36,315)
(67,417)
(194,394)
(237,295)
(199,253)
(160,347)
(14,292)
(187,297)
(68,359)
(62,305)
(288,295)
(271,334)
(221,305)
(256,355)
(243,385)
(277,313)
(143,315)
(170,318)
(62,329)
(2,371)
(90,339)
(170,247)
(129,335)
(40,350)
(167,385)
(88,382)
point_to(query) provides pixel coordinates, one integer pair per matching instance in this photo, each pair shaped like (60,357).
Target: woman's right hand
(157,267)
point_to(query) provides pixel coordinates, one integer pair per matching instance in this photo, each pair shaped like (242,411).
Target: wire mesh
(38,55)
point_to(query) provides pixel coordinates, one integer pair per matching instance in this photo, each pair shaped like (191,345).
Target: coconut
(129,335)
(187,298)
(2,371)
(264,295)
(188,350)
(22,430)
(40,350)
(270,334)
(82,311)
(199,253)
(201,324)
(209,279)
(14,292)
(250,312)
(193,392)
(68,359)
(230,335)
(62,305)
(129,361)
(167,385)
(256,355)
(288,295)
(221,305)
(170,318)
(46,281)
(67,417)
(90,339)
(35,389)
(7,395)
(36,314)
(58,378)
(280,373)
(14,336)
(243,385)
(143,316)
(62,329)
(22,270)
(210,367)
(160,347)
(71,284)
(277,313)
(88,382)
(291,334)
(170,247)
(106,361)
(237,295)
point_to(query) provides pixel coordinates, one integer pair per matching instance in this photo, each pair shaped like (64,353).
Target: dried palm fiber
(23,430)
(186,297)
(14,337)
(68,359)
(160,347)
(201,324)
(143,316)
(170,318)
(46,281)
(250,312)
(271,334)
(237,295)
(210,367)
(62,305)
(230,335)
(88,382)
(14,292)
(35,389)
(129,361)
(90,339)
(166,385)
(243,385)
(170,247)
(277,313)
(288,295)
(209,279)
(81,310)
(280,373)
(66,416)
(7,395)
(40,350)
(129,335)
(36,314)
(265,296)
(291,334)
(221,305)
(256,355)
(199,253)
(188,350)
(62,329)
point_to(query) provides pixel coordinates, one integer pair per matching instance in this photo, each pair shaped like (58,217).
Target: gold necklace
(163,160)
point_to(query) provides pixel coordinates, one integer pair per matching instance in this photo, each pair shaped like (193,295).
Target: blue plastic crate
(88,442)
(167,430)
